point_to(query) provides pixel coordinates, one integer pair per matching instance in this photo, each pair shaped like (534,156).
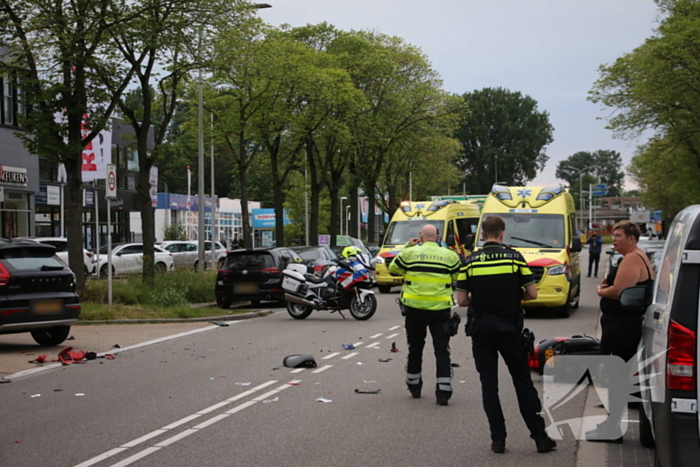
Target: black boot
(545,443)
(499,447)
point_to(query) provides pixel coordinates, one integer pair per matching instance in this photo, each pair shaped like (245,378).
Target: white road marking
(135,457)
(357,344)
(393,328)
(323,368)
(330,355)
(140,440)
(390,336)
(298,370)
(376,335)
(350,355)
(211,421)
(238,408)
(178,437)
(175,424)
(101,457)
(373,345)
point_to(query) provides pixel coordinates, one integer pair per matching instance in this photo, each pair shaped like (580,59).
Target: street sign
(599,193)
(601,187)
(111,192)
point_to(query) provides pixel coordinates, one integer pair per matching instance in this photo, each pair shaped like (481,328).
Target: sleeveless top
(614,307)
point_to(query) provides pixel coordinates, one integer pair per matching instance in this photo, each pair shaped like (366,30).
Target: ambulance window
(450,229)
(466,227)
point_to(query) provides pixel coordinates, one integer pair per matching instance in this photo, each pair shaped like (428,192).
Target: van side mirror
(575,245)
(451,241)
(469,242)
(633,297)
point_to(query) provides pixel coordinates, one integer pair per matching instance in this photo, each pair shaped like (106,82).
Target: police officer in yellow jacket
(429,271)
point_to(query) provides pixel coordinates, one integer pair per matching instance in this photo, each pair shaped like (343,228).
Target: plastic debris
(454,365)
(3,380)
(219,323)
(71,338)
(385,360)
(271,400)
(393,347)
(293,384)
(242,384)
(359,363)
(325,401)
(299,361)
(369,391)
(371,381)
(57,390)
(276,368)
(117,346)
(36,395)
(348,347)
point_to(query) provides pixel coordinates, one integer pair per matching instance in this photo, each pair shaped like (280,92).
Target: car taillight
(224,271)
(534,360)
(4,275)
(89,254)
(680,359)
(270,270)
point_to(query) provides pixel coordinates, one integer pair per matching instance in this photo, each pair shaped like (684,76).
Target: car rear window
(249,261)
(310,254)
(30,259)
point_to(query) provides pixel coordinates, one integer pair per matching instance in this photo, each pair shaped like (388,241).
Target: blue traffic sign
(599,193)
(601,187)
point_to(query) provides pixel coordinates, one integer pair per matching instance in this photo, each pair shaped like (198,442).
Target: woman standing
(622,328)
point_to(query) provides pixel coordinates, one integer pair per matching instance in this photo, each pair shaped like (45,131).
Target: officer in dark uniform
(491,283)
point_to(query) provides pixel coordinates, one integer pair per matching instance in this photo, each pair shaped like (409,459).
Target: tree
(604,165)
(503,137)
(59,52)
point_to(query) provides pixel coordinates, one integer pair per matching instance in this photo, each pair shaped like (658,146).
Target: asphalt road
(222,398)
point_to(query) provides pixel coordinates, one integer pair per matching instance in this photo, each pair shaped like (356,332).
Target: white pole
(200,178)
(97,228)
(347,209)
(306,208)
(63,214)
(214,222)
(580,197)
(590,206)
(109,252)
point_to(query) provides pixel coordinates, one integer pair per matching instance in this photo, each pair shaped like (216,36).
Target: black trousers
(486,345)
(417,323)
(593,258)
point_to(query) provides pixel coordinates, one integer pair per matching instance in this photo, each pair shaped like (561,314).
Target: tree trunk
(278,197)
(243,176)
(147,213)
(315,193)
(74,222)
(353,227)
(371,219)
(336,215)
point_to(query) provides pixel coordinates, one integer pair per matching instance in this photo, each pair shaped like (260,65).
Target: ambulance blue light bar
(548,193)
(501,192)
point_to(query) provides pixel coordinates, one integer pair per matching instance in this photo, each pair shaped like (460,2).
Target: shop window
(132,159)
(47,171)
(605,203)
(130,183)
(10,102)
(14,215)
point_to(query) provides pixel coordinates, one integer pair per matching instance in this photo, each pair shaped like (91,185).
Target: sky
(547,49)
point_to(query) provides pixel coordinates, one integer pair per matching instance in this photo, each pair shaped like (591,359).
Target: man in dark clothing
(595,245)
(491,283)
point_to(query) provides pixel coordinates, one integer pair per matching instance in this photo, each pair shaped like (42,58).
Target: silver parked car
(185,253)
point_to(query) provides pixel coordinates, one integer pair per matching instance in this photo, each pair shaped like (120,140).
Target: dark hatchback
(253,275)
(37,292)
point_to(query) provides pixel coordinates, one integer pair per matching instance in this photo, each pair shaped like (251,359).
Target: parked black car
(653,249)
(318,257)
(253,275)
(37,292)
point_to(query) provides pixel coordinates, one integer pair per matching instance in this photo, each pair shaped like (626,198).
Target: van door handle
(657,315)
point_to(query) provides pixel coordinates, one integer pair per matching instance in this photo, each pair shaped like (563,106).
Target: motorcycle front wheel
(363,311)
(298,311)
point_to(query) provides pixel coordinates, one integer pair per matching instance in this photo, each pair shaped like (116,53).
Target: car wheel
(103,272)
(564,311)
(384,288)
(646,437)
(223,302)
(298,311)
(51,336)
(160,268)
(363,311)
(196,265)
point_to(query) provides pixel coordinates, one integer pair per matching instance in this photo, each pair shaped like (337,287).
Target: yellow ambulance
(541,224)
(455,220)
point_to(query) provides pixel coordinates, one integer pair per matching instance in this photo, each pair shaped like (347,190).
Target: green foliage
(295,233)
(174,231)
(170,289)
(605,166)
(503,137)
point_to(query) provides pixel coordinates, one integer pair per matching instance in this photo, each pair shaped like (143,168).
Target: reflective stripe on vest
(429,298)
(431,280)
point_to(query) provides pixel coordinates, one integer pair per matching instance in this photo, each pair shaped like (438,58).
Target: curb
(238,317)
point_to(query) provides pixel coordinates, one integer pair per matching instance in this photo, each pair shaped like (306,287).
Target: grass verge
(169,297)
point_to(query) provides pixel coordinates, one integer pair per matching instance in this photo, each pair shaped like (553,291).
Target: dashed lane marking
(393,328)
(391,336)
(323,368)
(357,344)
(350,355)
(373,345)
(298,370)
(376,335)
(330,355)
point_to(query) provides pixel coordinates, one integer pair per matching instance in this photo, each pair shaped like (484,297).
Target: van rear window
(238,262)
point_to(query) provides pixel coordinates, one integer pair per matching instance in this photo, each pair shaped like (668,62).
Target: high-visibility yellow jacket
(428,271)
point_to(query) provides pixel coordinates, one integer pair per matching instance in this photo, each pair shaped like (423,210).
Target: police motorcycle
(344,285)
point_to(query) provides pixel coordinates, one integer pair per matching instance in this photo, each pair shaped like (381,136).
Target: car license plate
(246,287)
(48,307)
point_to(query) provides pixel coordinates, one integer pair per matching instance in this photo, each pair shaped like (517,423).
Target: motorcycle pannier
(293,281)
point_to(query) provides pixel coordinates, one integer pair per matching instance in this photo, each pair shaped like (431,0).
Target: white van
(669,419)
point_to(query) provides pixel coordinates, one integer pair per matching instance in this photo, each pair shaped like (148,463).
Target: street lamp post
(580,187)
(341,213)
(347,212)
